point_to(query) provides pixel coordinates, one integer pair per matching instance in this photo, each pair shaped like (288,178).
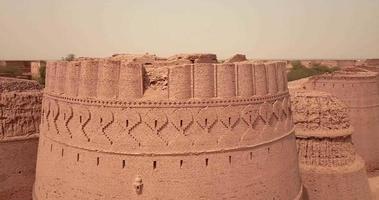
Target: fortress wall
(243,174)
(230,80)
(203,80)
(112,79)
(272,78)
(225,80)
(108,77)
(60,77)
(281,73)
(346,63)
(34,69)
(50,76)
(156,129)
(179,141)
(245,80)
(372,62)
(360,92)
(72,78)
(354,90)
(180,82)
(20,113)
(88,79)
(261,83)
(131,81)
(326,152)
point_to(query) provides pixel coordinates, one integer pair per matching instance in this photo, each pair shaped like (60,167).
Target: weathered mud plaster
(20,111)
(195,131)
(360,91)
(330,167)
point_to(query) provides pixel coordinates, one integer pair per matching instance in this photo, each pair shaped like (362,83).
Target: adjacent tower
(329,165)
(360,92)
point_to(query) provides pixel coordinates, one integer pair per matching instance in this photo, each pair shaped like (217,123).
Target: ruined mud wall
(372,62)
(20,111)
(329,165)
(360,91)
(219,131)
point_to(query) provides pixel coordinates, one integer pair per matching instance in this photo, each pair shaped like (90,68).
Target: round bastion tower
(212,131)
(360,92)
(329,165)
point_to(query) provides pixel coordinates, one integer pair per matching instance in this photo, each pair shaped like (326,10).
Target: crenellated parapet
(121,80)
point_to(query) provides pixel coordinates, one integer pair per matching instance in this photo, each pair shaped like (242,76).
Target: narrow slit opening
(206,162)
(251,155)
(77,157)
(154,164)
(181,163)
(97,161)
(123,164)
(62,152)
(230,159)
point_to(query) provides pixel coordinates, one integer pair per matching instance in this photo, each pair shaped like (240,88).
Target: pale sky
(50,29)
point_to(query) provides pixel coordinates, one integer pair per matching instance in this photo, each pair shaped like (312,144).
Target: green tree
(69,57)
(42,75)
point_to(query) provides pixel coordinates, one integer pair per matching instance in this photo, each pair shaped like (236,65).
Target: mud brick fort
(218,131)
(190,127)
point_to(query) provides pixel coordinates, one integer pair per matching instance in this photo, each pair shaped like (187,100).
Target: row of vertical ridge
(110,79)
(208,80)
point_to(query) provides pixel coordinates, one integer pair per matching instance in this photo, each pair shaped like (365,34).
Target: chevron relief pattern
(116,126)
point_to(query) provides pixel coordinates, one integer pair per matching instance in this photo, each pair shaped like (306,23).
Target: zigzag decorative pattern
(168,124)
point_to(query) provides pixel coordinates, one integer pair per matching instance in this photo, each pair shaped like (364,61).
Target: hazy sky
(49,29)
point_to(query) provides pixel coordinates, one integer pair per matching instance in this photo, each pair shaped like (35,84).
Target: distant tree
(69,57)
(299,71)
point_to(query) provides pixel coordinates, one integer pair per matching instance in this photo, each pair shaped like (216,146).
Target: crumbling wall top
(319,114)
(13,84)
(346,75)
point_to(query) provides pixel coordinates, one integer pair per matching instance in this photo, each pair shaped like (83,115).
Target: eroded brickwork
(20,112)
(327,156)
(360,92)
